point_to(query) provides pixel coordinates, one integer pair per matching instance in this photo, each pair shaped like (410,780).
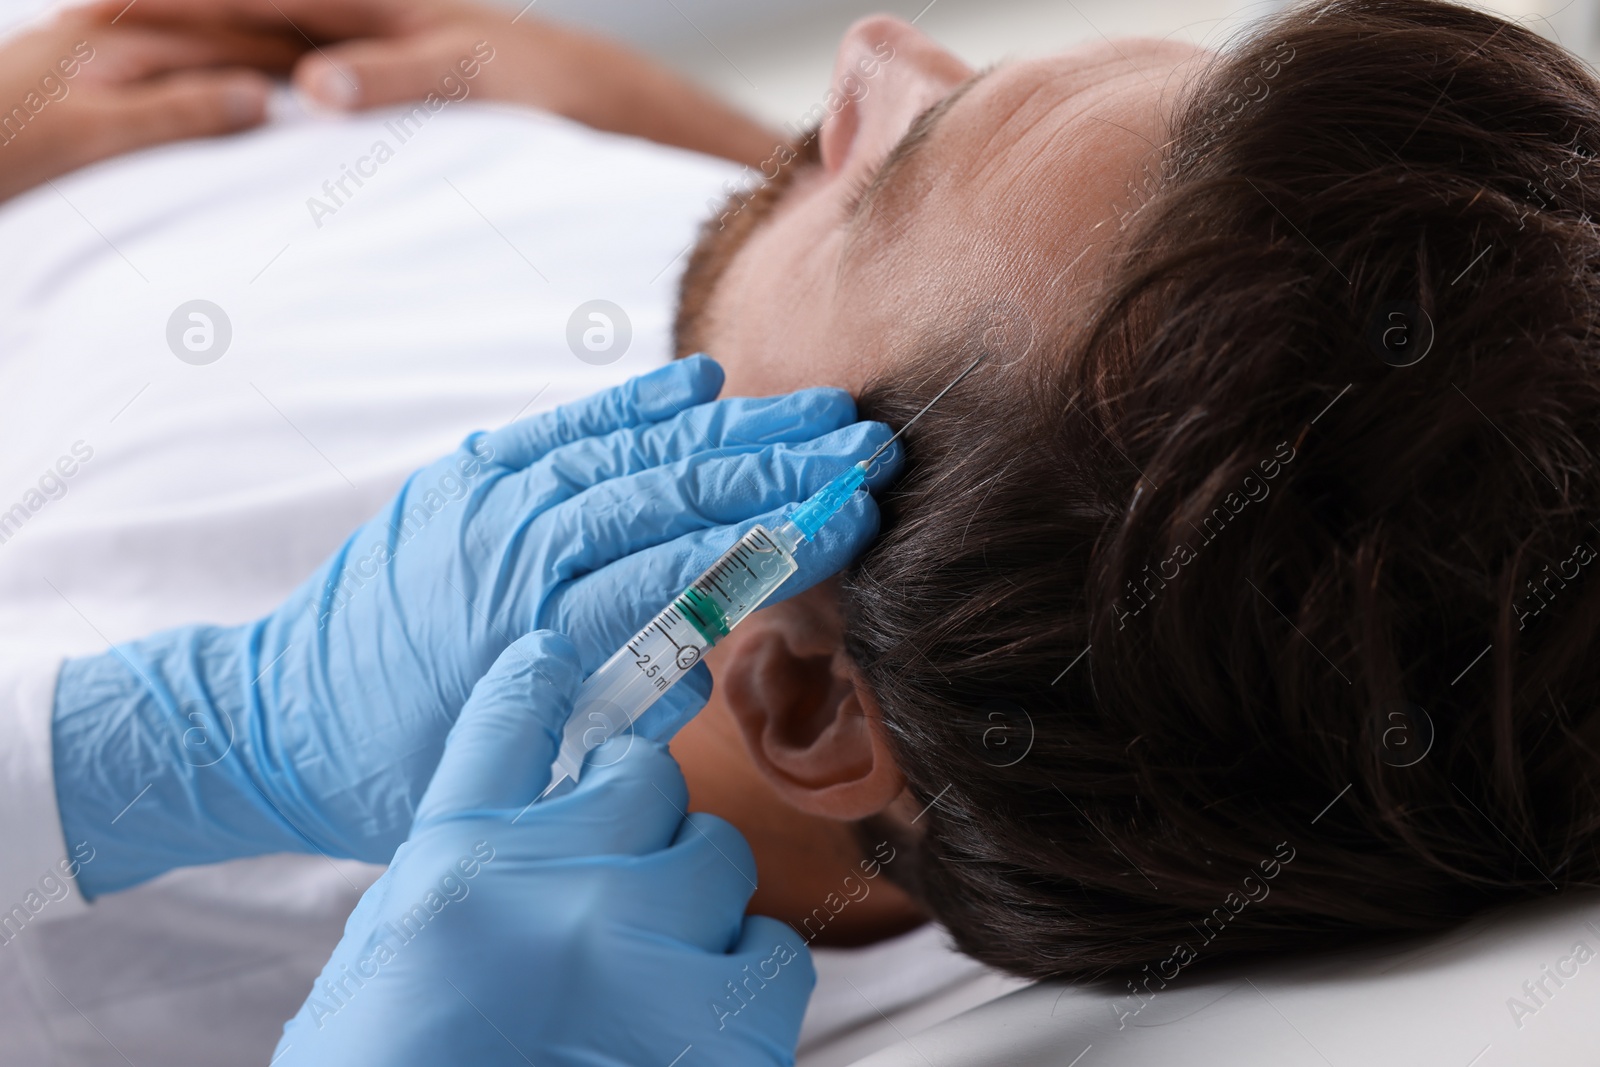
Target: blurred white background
(774,56)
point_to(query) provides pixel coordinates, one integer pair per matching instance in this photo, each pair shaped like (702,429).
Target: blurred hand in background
(369,53)
(81,88)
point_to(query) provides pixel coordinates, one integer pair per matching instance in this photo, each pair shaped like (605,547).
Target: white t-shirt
(370,326)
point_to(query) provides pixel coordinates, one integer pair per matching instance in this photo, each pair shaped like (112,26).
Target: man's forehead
(1058,125)
(1010,185)
(1036,128)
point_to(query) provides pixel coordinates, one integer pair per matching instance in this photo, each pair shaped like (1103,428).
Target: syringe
(658,656)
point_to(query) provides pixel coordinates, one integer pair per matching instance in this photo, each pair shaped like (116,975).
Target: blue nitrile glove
(317,727)
(602,928)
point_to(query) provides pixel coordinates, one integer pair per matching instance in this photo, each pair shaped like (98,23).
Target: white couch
(1468,998)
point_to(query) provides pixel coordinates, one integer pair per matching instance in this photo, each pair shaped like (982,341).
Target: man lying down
(1253,567)
(1250,567)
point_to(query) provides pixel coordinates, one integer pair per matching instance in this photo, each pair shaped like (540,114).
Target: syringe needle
(912,421)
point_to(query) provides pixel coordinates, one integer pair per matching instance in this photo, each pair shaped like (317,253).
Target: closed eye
(869,186)
(855,193)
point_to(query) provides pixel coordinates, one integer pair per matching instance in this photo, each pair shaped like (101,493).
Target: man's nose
(886,73)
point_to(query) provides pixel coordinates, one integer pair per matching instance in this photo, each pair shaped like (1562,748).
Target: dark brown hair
(1263,612)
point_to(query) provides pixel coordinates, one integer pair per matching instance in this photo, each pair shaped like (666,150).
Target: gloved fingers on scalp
(601,618)
(498,754)
(627,515)
(660,394)
(728,489)
(629,801)
(738,424)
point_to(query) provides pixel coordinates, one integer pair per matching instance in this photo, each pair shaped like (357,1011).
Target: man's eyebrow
(921,129)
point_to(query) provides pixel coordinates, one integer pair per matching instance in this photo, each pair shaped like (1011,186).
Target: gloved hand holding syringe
(741,580)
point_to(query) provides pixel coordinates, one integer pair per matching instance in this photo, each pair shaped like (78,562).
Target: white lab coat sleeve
(36,883)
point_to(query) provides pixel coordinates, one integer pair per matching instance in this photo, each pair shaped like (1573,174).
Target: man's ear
(808,718)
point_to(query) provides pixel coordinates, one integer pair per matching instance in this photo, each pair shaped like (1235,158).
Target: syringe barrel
(653,661)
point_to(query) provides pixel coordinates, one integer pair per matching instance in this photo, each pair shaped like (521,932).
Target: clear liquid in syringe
(674,641)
